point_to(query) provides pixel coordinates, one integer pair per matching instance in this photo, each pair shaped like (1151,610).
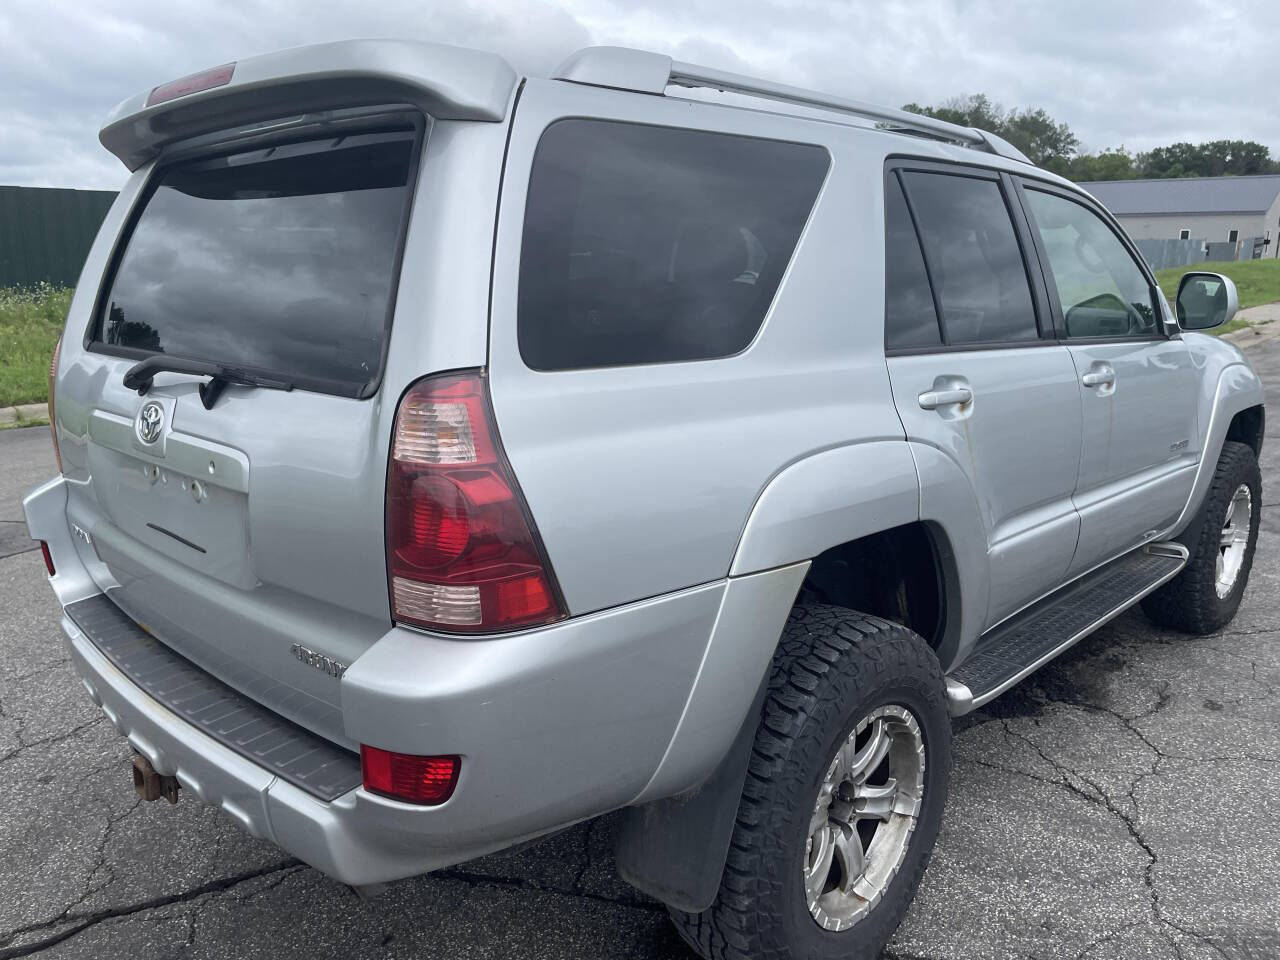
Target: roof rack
(623,68)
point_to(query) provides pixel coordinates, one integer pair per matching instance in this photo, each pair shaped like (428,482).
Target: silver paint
(679,503)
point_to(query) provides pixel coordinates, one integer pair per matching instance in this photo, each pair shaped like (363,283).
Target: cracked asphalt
(1124,802)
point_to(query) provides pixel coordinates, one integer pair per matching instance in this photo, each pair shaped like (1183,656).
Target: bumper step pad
(293,753)
(1022,644)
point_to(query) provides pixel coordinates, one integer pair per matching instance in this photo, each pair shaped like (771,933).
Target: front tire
(848,772)
(1205,596)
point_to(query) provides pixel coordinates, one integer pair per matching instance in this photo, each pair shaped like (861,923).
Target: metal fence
(1162,254)
(45,233)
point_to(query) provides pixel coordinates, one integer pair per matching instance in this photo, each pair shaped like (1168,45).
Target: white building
(1213,209)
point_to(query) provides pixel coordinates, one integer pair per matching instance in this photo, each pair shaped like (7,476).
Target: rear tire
(836,672)
(1205,596)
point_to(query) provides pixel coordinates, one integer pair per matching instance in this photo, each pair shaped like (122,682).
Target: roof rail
(623,68)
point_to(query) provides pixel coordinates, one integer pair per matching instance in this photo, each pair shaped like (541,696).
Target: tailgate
(245,528)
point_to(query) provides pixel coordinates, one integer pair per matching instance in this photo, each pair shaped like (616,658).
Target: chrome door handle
(1099,378)
(933,399)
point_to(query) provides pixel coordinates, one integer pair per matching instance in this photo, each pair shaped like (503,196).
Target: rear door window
(974,258)
(647,244)
(281,259)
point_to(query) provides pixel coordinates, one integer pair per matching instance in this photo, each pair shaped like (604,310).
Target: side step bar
(1022,644)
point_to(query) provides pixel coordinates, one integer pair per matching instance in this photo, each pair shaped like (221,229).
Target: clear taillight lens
(53,422)
(462,552)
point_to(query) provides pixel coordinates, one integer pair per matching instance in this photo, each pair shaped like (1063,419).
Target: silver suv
(448,457)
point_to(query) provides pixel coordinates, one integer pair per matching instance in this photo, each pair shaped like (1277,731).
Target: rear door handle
(1102,377)
(933,399)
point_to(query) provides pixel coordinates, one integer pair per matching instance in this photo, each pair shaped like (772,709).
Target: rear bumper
(554,725)
(326,835)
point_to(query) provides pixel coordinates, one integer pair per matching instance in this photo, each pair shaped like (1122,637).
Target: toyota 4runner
(447,457)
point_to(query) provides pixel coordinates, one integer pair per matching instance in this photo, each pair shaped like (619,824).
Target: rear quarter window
(647,244)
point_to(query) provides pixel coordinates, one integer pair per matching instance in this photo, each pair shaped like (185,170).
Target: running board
(1022,644)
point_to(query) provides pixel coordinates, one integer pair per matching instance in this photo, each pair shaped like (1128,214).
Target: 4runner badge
(150,422)
(318,660)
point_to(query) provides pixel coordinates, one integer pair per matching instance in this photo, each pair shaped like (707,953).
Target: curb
(24,413)
(1254,336)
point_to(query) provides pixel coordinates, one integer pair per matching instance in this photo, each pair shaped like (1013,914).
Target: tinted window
(1100,288)
(910,319)
(650,244)
(282,259)
(974,258)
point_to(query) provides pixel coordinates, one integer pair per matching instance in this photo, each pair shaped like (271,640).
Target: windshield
(281,259)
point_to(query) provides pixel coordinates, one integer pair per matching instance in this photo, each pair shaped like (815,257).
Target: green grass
(1257,281)
(30,323)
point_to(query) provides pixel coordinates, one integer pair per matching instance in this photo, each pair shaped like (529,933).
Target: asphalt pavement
(1124,802)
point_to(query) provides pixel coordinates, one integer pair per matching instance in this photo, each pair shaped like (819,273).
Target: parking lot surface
(1123,802)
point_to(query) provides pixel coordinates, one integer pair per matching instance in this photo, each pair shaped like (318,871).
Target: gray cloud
(1137,74)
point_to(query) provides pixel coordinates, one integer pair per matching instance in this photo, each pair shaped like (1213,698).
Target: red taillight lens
(413,779)
(205,80)
(53,423)
(462,554)
(48,558)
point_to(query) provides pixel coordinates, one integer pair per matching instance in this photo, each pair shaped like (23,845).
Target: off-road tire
(832,667)
(1190,602)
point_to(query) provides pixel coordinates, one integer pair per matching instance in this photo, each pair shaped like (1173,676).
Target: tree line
(1052,145)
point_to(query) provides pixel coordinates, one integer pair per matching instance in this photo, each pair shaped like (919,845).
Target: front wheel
(843,799)
(1207,593)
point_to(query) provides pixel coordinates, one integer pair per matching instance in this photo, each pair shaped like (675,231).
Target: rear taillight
(53,423)
(403,776)
(462,554)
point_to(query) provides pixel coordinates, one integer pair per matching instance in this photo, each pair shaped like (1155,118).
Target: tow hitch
(151,785)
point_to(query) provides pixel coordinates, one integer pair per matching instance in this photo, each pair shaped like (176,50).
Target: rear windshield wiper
(140,376)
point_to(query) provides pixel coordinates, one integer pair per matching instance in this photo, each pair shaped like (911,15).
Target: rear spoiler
(448,83)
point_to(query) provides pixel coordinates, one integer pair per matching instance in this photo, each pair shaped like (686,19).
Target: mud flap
(675,849)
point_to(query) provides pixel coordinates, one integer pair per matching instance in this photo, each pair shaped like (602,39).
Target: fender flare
(673,841)
(1237,389)
(828,498)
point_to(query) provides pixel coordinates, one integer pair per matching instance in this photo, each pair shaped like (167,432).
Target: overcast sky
(1137,74)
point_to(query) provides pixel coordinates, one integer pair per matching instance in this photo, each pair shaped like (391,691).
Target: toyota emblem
(150,421)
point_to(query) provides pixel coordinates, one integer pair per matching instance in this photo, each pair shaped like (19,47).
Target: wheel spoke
(876,802)
(821,810)
(863,762)
(818,867)
(849,856)
(1231,509)
(1228,536)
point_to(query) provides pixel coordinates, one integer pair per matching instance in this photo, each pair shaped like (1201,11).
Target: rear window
(281,259)
(648,244)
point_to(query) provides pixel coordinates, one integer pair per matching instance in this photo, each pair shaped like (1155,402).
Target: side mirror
(1206,300)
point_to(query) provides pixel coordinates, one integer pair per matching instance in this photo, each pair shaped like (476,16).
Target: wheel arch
(905,574)
(1248,426)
